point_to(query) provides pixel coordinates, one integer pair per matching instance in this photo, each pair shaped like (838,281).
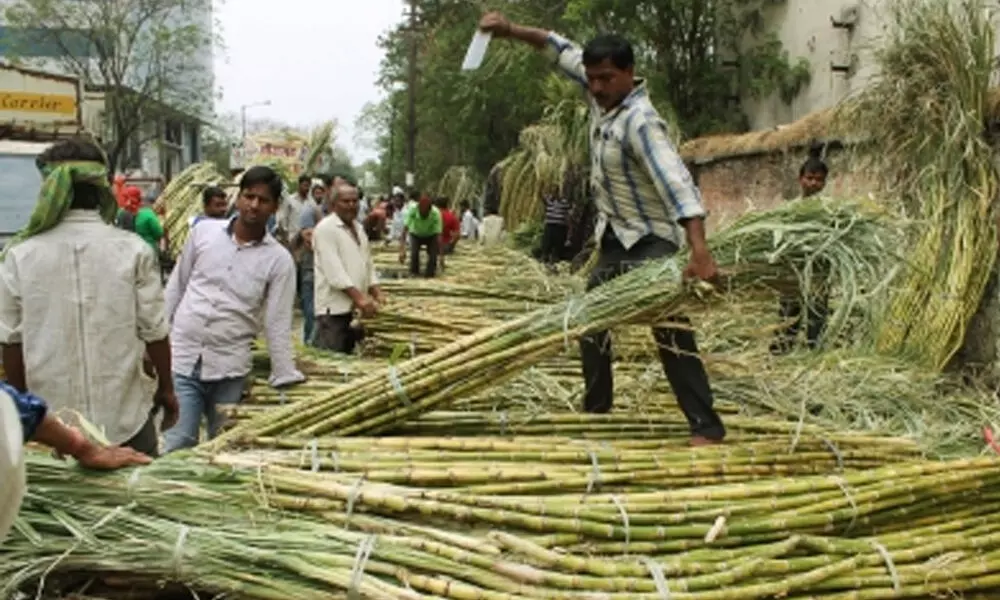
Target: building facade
(836,37)
(168,136)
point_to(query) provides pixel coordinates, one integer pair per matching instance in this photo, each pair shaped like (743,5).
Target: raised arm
(564,53)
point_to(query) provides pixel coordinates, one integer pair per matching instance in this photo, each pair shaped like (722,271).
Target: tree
(151,58)
(696,56)
(700,56)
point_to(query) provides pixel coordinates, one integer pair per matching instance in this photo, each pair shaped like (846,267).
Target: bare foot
(699,441)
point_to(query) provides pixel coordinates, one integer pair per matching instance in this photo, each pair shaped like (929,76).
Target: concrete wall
(806,30)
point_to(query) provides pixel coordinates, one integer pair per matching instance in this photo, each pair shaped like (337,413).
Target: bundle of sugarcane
(319,149)
(877,533)
(177,522)
(936,65)
(181,200)
(762,251)
(619,455)
(658,517)
(842,389)
(460,184)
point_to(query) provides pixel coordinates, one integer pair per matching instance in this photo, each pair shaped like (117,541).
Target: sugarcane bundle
(936,66)
(846,389)
(181,200)
(633,458)
(460,184)
(261,531)
(319,147)
(763,250)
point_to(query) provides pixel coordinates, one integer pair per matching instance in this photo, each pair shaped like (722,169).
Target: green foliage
(695,54)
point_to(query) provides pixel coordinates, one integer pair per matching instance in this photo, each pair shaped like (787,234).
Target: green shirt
(424,226)
(148,227)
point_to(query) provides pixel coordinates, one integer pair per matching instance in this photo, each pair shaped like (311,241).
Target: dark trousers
(432,243)
(677,348)
(306,294)
(791,308)
(553,242)
(146,440)
(334,333)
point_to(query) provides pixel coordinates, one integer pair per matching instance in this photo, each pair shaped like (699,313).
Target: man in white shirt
(81,302)
(345,274)
(491,231)
(398,202)
(470,224)
(232,277)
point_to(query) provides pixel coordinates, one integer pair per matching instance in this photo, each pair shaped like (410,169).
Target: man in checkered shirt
(647,202)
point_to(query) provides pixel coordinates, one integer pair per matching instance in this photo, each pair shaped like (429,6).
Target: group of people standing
(87,323)
(331,232)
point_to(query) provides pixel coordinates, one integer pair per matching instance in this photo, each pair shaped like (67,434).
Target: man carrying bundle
(812,181)
(81,302)
(645,197)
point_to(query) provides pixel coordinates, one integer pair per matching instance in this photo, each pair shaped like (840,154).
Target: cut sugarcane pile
(903,530)
(764,250)
(629,456)
(843,390)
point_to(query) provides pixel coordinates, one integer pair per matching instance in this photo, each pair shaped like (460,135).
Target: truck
(36,109)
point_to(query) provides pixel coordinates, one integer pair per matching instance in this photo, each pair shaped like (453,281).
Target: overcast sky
(313,59)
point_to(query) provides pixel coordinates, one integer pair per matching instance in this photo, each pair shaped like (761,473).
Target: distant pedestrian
(812,181)
(214,205)
(470,224)
(423,227)
(556,231)
(491,230)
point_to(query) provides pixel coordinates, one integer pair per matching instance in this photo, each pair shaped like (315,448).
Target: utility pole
(411,137)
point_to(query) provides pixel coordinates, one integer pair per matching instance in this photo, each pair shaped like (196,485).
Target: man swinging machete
(645,198)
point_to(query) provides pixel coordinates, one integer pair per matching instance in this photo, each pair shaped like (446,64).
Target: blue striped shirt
(639,182)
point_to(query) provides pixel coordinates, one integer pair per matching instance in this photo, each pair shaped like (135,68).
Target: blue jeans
(308,305)
(197,398)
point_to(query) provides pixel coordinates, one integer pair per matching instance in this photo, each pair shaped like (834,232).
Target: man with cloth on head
(81,302)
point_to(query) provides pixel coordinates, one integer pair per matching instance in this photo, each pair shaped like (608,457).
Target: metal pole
(392,143)
(411,143)
(243,123)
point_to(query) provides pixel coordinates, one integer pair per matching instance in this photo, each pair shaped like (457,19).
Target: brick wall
(732,186)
